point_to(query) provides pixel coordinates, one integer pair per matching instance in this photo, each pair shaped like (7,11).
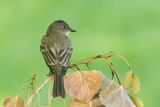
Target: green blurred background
(129,27)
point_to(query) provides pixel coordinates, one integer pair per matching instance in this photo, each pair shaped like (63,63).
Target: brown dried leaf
(131,82)
(77,103)
(97,103)
(84,85)
(114,95)
(13,102)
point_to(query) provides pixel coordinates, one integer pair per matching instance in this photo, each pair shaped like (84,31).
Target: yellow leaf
(13,102)
(136,101)
(131,82)
(127,80)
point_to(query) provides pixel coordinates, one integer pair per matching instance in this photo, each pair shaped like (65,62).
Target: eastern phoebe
(56,49)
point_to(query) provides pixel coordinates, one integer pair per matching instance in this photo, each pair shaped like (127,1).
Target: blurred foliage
(128,27)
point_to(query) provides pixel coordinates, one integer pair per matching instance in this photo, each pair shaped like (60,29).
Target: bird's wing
(52,55)
(65,55)
(49,56)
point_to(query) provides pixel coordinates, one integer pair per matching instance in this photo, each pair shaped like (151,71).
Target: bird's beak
(72,30)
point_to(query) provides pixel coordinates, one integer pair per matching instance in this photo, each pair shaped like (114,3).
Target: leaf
(97,103)
(136,101)
(82,85)
(114,95)
(131,82)
(13,102)
(77,103)
(107,83)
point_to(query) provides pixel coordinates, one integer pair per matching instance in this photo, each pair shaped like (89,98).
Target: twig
(88,60)
(124,59)
(113,69)
(103,56)
(37,91)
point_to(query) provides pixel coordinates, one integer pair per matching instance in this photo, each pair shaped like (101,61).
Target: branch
(37,91)
(107,57)
(88,60)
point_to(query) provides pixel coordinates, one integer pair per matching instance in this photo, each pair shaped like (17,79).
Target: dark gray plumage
(56,49)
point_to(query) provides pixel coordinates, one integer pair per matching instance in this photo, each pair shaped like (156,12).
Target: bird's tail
(58,87)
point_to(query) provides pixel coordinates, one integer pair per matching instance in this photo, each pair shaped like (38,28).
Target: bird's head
(60,26)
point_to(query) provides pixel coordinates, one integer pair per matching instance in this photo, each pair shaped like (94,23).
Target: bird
(56,49)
